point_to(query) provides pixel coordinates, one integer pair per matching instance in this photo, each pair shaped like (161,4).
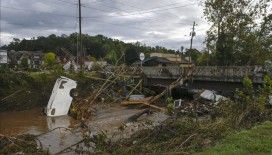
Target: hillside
(97,46)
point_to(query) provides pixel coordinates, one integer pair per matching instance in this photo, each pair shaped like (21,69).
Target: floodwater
(58,133)
(34,121)
(31,121)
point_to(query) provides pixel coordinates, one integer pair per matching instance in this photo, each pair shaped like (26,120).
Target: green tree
(233,34)
(193,53)
(112,57)
(50,59)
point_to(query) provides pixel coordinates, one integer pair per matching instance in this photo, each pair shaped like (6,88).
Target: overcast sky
(153,22)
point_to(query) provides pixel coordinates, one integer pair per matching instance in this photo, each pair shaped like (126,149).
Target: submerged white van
(61,99)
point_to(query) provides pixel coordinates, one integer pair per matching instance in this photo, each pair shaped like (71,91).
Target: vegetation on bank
(24,90)
(257,140)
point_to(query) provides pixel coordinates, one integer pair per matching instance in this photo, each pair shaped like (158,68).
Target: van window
(61,84)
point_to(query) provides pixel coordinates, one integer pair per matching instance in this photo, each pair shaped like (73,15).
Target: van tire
(73,93)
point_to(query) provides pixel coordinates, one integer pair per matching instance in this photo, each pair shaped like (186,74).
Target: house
(3,57)
(171,57)
(34,59)
(154,61)
(177,59)
(164,59)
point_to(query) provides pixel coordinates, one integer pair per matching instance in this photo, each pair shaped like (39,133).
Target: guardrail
(205,73)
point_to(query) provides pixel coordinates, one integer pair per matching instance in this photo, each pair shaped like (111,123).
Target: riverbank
(26,90)
(257,140)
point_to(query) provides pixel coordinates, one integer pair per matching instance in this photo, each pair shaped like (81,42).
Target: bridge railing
(169,72)
(205,73)
(227,73)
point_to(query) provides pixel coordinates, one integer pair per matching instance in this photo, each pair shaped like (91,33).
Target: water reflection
(59,122)
(31,121)
(35,122)
(21,122)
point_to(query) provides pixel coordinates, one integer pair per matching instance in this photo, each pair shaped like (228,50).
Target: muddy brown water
(33,121)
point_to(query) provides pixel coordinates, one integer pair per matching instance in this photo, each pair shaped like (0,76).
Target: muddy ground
(58,133)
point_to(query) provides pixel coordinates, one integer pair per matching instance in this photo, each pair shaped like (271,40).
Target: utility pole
(0,25)
(79,53)
(192,36)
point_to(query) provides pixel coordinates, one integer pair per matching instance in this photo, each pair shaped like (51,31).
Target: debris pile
(193,108)
(111,85)
(203,104)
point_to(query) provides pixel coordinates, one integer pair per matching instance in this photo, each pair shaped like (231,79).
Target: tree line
(98,47)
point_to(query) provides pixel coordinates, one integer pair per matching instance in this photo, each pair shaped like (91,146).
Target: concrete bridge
(220,78)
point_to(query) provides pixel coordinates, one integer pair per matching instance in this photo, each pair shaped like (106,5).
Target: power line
(158,7)
(149,11)
(93,18)
(7,7)
(98,20)
(27,10)
(67,2)
(142,13)
(151,19)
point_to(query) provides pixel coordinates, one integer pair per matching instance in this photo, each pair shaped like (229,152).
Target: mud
(62,132)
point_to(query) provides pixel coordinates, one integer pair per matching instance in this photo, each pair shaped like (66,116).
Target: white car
(60,99)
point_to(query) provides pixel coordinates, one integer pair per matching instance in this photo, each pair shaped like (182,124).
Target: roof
(158,59)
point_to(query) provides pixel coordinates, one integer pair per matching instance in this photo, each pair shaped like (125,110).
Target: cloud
(39,6)
(167,23)
(7,37)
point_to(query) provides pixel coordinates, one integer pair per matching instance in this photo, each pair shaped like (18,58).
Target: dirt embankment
(25,90)
(22,90)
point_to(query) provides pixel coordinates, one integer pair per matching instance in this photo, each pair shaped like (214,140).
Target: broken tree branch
(179,81)
(181,145)
(134,89)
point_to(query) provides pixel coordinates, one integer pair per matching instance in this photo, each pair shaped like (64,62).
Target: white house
(3,57)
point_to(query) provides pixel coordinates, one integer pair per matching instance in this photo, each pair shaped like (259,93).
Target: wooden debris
(137,115)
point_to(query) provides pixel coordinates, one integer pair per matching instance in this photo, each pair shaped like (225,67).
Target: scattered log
(144,101)
(134,117)
(179,81)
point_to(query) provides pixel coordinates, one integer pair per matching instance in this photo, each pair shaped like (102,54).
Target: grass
(257,141)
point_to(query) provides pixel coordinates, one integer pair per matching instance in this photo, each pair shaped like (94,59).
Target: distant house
(154,61)
(3,57)
(164,59)
(34,59)
(171,57)
(176,59)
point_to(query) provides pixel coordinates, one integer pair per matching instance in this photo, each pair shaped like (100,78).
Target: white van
(60,99)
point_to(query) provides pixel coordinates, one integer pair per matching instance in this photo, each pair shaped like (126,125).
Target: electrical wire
(27,10)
